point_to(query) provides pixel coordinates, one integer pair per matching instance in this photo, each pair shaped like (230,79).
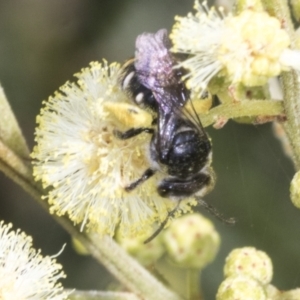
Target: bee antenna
(163,224)
(212,210)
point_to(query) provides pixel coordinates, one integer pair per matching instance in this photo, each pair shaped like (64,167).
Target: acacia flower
(248,48)
(24,273)
(86,166)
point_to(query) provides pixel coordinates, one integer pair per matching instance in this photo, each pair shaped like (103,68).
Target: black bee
(179,146)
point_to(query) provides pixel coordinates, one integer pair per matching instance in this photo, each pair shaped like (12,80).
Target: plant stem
(193,281)
(251,108)
(99,295)
(290,80)
(292,108)
(10,132)
(280,10)
(134,276)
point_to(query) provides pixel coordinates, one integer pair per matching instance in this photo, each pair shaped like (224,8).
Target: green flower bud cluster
(190,242)
(248,273)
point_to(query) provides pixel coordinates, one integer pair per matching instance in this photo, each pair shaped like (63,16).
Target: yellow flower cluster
(248,274)
(251,47)
(190,242)
(86,166)
(246,48)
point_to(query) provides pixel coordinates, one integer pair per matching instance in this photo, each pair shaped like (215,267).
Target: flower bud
(241,287)
(192,241)
(251,262)
(146,254)
(272,292)
(290,295)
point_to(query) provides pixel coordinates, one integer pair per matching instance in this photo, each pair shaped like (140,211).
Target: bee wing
(154,64)
(176,100)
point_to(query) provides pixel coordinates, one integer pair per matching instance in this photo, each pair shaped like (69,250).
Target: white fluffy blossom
(24,273)
(248,48)
(86,166)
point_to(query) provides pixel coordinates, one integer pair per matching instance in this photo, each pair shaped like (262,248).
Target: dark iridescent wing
(154,64)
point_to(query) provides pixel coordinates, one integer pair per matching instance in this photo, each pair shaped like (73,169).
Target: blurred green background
(42,43)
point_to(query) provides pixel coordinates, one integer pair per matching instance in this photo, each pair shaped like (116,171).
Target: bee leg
(174,187)
(147,174)
(132,132)
(163,224)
